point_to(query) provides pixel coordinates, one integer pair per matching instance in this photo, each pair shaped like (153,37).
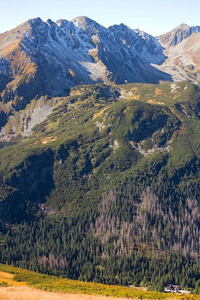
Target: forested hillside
(106,188)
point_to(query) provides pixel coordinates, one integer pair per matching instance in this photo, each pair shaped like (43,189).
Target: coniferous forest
(107,190)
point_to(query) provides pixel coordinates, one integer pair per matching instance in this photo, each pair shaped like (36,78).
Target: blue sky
(153,16)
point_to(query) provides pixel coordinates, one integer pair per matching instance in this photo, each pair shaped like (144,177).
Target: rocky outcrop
(177,35)
(182,48)
(39,58)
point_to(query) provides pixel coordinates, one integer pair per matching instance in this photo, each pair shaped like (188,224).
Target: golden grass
(126,110)
(72,72)
(99,113)
(151,101)
(10,48)
(48,140)
(8,278)
(158,92)
(40,286)
(27,293)
(30,69)
(137,97)
(176,96)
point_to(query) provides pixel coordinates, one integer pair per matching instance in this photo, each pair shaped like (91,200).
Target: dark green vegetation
(107,188)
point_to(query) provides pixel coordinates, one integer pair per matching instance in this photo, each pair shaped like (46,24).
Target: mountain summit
(39,58)
(182,51)
(178,34)
(85,23)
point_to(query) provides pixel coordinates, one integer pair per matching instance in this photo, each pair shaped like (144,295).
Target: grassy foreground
(57,284)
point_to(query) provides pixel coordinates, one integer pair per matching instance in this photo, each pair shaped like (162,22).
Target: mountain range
(100,153)
(46,59)
(52,57)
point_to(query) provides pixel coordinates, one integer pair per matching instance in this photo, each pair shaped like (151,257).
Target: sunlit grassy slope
(11,276)
(97,132)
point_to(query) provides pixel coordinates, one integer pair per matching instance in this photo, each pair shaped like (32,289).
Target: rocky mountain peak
(182,26)
(85,23)
(35,21)
(178,34)
(51,23)
(47,58)
(121,26)
(60,22)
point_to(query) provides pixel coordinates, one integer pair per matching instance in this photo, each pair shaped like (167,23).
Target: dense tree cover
(107,190)
(132,238)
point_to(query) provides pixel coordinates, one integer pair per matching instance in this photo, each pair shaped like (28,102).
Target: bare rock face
(182,48)
(46,59)
(177,35)
(39,58)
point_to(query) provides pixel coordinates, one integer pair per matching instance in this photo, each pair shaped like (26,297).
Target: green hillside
(11,276)
(107,187)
